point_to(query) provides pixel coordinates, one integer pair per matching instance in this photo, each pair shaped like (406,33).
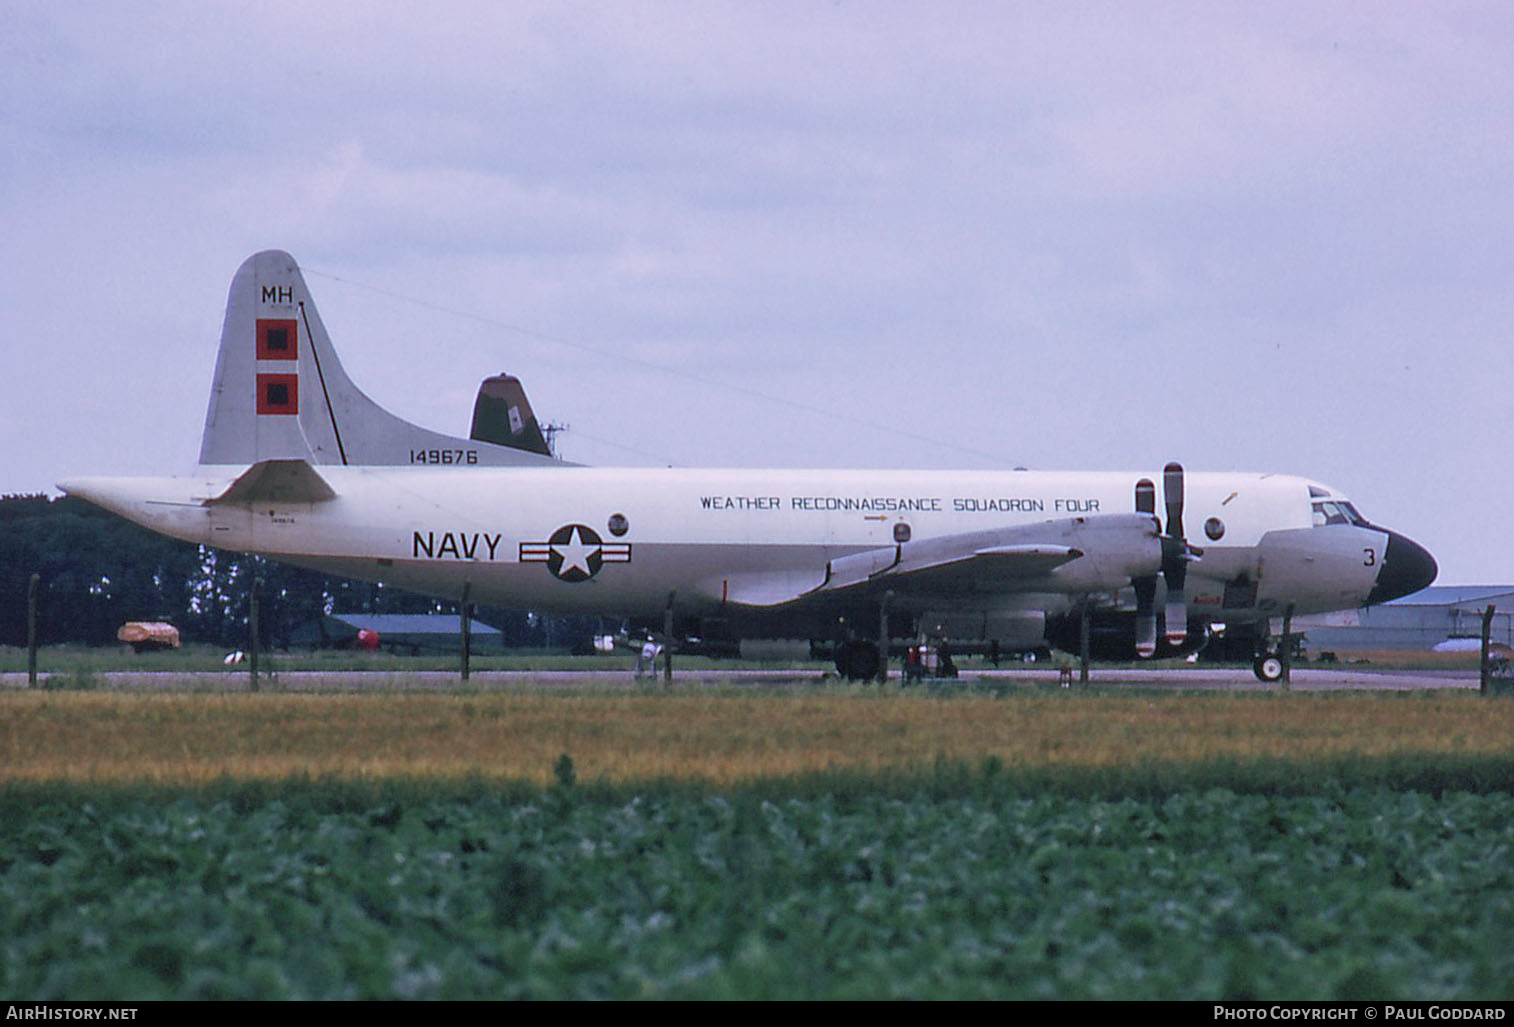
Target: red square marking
(278,338)
(278,393)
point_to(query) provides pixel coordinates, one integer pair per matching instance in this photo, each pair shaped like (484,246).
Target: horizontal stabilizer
(276,481)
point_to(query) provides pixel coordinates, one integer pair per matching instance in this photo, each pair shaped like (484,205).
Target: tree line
(99,571)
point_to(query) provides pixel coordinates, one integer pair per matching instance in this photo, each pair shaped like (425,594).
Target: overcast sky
(1271,237)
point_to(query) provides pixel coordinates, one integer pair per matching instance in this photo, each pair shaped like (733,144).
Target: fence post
(31,629)
(1485,667)
(1085,629)
(1286,651)
(466,629)
(253,641)
(667,640)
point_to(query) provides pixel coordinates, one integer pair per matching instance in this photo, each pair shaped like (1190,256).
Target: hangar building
(414,632)
(1448,616)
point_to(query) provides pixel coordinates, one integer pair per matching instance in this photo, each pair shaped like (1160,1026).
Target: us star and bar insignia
(575,552)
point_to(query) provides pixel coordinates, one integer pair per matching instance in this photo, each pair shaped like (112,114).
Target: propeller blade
(1177,612)
(1175,556)
(1172,489)
(1146,617)
(1146,588)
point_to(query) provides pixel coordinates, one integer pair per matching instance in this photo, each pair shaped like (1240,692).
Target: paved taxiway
(1221,680)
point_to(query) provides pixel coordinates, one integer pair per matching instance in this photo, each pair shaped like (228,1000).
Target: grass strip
(723,740)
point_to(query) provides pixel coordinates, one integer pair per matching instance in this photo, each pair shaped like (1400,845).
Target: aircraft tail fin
(502,415)
(280,392)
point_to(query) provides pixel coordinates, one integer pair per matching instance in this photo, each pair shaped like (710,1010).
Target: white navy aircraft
(299,464)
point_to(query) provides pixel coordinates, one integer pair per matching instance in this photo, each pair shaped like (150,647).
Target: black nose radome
(1407,568)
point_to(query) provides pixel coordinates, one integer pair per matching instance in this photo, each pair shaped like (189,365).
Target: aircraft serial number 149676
(297,463)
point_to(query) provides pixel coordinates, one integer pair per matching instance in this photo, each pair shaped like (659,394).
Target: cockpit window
(1337,511)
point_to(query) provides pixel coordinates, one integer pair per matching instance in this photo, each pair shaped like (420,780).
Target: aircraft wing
(1073,555)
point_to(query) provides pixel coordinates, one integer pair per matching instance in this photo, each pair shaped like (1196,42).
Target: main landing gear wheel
(1267,668)
(857,660)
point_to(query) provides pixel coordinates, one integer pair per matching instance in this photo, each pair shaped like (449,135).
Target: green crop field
(792,844)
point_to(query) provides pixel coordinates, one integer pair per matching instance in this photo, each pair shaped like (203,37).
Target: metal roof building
(1423,620)
(414,631)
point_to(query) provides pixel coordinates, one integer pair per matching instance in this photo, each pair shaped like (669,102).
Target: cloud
(1084,234)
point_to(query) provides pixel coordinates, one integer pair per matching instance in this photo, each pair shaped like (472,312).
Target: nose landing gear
(1275,654)
(1268,667)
